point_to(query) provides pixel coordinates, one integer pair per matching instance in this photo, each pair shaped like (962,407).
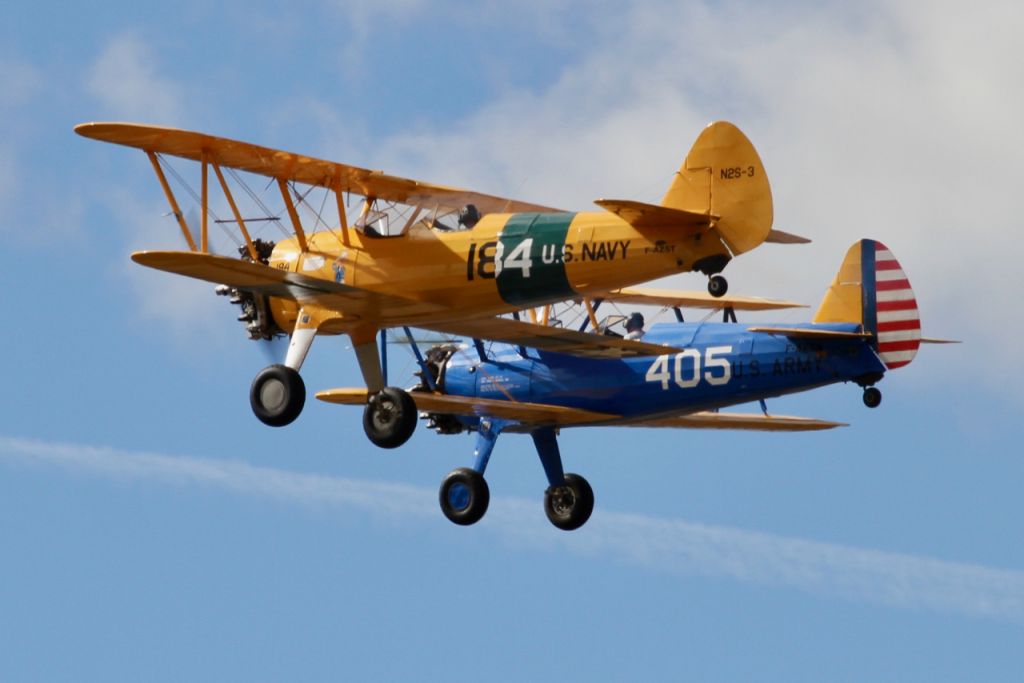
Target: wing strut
(293,214)
(591,310)
(342,217)
(238,216)
(171,200)
(204,217)
(428,376)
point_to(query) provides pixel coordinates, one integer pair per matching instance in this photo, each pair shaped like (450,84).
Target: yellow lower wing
(542,415)
(556,339)
(753,422)
(387,310)
(534,414)
(254,277)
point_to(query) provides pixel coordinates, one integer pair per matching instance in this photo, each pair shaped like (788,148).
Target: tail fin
(872,290)
(723,176)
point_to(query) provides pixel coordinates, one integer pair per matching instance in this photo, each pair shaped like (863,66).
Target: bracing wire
(198,200)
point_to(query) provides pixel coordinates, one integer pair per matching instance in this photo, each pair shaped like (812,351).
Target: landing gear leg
(568,500)
(278,393)
(464,494)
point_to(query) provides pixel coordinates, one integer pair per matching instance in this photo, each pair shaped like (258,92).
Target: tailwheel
(464,496)
(872,397)
(717,286)
(390,417)
(277,395)
(569,506)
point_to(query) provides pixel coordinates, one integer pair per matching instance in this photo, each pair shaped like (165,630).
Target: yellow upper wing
(275,163)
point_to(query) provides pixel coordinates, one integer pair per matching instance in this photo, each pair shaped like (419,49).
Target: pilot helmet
(469,215)
(635,322)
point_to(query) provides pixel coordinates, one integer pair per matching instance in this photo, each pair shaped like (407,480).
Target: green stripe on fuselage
(531,256)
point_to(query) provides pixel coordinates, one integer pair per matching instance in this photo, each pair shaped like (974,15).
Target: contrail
(664,545)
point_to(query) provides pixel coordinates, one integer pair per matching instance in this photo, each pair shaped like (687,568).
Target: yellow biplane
(387,269)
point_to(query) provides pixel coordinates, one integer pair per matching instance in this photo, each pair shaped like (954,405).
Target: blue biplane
(867,324)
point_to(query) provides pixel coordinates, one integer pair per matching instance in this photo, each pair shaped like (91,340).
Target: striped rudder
(872,290)
(897,321)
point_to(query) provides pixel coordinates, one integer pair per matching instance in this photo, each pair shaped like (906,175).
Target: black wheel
(464,496)
(872,397)
(568,507)
(717,286)
(390,418)
(277,395)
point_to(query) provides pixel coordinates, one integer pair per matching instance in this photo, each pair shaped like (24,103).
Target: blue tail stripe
(869,313)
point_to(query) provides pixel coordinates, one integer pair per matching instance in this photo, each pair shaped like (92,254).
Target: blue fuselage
(720,364)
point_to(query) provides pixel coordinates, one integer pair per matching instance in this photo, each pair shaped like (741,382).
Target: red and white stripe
(899,324)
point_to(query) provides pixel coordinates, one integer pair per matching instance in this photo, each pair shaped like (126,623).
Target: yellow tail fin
(723,176)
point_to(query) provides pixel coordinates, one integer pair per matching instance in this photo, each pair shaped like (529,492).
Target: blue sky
(152,529)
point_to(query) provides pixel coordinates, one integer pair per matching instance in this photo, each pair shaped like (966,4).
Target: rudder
(872,290)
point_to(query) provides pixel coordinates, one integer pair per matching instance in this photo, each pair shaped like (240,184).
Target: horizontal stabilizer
(807,333)
(940,341)
(753,422)
(667,297)
(780,237)
(641,215)
(534,414)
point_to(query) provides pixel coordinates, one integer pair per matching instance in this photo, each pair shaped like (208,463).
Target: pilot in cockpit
(469,216)
(635,326)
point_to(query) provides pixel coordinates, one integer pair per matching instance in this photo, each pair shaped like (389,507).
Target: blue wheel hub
(458,496)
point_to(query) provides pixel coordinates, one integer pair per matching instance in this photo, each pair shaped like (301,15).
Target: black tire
(464,496)
(277,395)
(569,507)
(872,397)
(390,418)
(717,286)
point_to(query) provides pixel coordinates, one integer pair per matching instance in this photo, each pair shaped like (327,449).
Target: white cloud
(363,18)
(662,545)
(126,80)
(896,122)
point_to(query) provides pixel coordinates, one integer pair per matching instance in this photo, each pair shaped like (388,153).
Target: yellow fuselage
(507,262)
